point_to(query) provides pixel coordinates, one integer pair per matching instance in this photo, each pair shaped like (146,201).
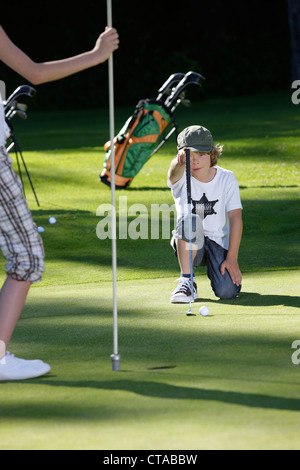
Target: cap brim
(197,148)
(201,148)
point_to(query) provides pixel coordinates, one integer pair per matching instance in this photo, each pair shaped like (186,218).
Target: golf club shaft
(163,141)
(189,202)
(18,151)
(114,357)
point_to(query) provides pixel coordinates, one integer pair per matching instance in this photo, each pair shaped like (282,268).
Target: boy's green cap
(197,138)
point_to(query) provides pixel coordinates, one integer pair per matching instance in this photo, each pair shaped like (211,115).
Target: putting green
(226,381)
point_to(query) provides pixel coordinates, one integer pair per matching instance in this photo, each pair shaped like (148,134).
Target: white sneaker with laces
(13,368)
(182,293)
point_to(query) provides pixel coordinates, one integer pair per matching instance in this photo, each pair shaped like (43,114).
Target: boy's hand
(107,43)
(176,169)
(234,271)
(181,157)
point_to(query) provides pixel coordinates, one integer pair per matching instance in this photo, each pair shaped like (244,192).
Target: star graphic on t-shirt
(204,207)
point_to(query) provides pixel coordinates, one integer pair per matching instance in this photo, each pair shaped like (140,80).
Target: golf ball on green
(204,311)
(52,220)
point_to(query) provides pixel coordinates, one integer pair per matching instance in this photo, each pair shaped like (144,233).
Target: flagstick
(115,357)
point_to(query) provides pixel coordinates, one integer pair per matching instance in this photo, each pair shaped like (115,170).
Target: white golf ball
(41,229)
(52,220)
(204,311)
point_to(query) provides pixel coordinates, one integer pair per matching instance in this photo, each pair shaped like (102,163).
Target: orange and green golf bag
(146,131)
(137,141)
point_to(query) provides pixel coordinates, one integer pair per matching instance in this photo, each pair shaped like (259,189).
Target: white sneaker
(13,368)
(183,294)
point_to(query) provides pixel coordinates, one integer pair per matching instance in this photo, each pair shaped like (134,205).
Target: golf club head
(183,100)
(166,87)
(20,114)
(186,103)
(22,107)
(15,110)
(189,311)
(191,78)
(23,90)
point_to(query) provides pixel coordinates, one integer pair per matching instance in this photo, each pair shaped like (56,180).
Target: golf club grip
(188,175)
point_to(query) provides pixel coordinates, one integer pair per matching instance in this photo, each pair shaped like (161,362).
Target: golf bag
(146,131)
(12,108)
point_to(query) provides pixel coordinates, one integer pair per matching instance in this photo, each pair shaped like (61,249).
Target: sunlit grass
(222,382)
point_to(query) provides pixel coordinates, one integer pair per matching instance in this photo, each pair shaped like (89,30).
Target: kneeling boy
(216,214)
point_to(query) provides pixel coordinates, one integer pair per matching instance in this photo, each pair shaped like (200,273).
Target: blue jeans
(211,255)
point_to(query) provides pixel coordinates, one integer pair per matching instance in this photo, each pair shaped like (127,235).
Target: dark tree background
(241,47)
(294,21)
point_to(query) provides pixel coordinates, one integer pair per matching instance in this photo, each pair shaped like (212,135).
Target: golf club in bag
(146,131)
(12,108)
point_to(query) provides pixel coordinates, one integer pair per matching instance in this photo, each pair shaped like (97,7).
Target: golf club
(13,108)
(189,204)
(181,100)
(18,152)
(17,112)
(189,79)
(23,90)
(166,87)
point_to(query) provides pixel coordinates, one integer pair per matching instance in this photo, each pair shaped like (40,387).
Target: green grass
(222,382)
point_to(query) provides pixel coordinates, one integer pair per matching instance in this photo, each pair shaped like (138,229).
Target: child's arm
(177,168)
(235,235)
(38,73)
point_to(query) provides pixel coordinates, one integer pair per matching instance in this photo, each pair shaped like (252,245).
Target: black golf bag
(146,131)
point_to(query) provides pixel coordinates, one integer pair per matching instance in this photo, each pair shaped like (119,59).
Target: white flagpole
(115,357)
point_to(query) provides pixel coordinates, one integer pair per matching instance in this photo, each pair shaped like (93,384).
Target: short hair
(215,154)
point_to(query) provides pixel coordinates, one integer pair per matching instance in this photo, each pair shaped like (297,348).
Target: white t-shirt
(212,201)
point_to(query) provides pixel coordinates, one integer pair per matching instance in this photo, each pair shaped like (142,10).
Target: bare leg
(12,299)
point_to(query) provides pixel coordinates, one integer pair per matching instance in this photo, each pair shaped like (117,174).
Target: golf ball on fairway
(204,311)
(41,229)
(52,220)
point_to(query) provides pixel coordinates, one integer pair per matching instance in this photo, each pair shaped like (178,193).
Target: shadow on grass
(173,392)
(271,186)
(55,307)
(74,339)
(254,299)
(146,188)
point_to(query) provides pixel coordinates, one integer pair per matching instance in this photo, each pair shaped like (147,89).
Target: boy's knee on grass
(226,290)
